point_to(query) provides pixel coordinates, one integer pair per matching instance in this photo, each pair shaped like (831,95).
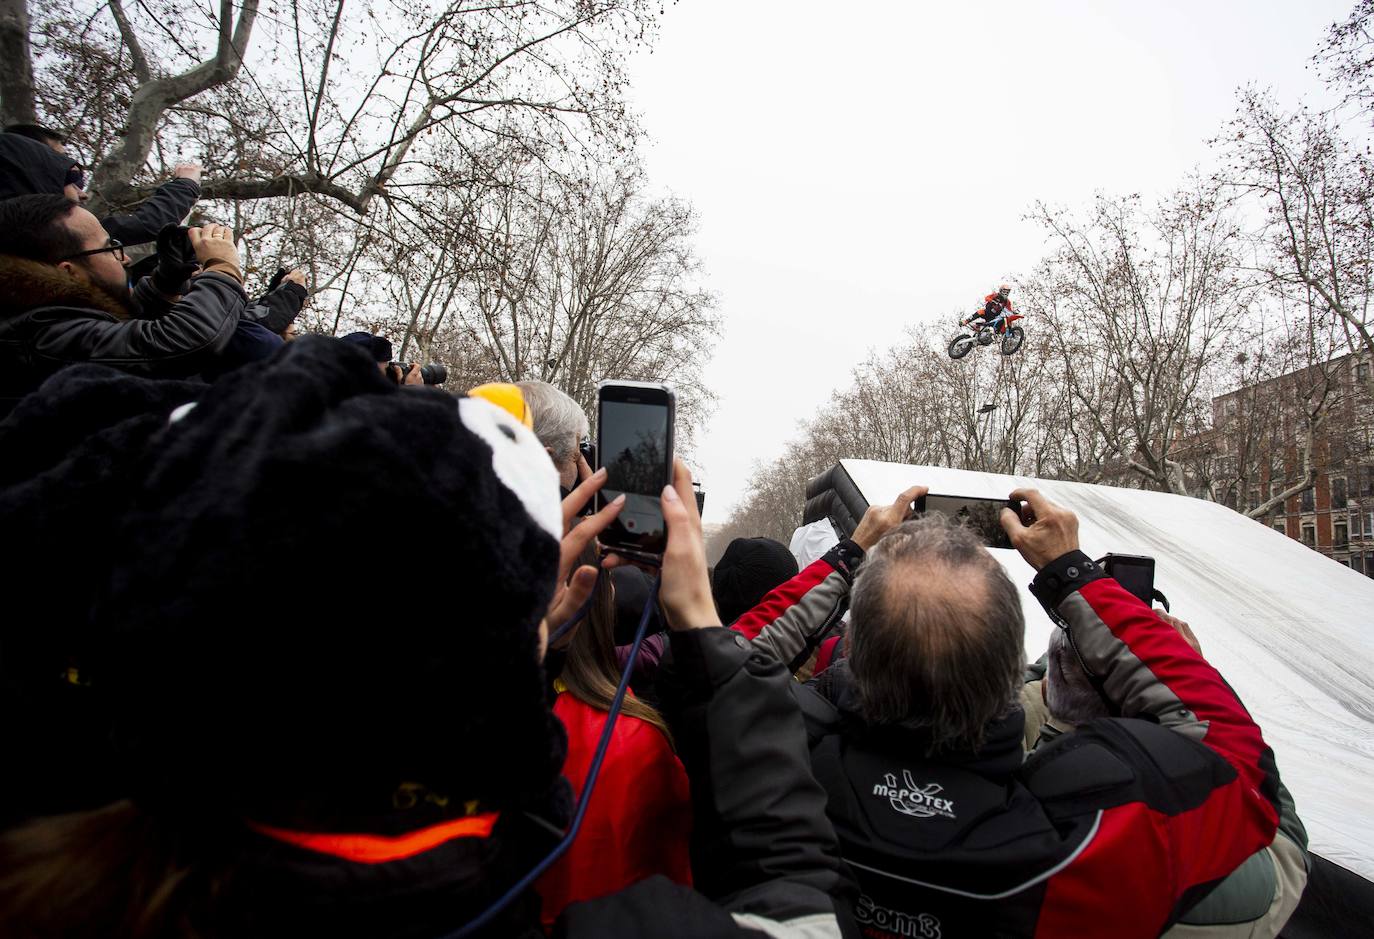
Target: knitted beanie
(329,591)
(746,572)
(28,167)
(379,347)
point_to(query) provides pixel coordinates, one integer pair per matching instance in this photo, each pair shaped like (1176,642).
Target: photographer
(1256,900)
(917,736)
(379,347)
(28,167)
(65,299)
(321,774)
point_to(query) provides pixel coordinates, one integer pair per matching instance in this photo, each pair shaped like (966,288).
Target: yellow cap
(508,398)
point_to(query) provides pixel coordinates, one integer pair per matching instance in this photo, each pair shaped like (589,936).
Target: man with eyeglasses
(64,298)
(27,167)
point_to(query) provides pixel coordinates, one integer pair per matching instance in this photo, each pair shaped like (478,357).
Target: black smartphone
(634,442)
(1135,572)
(982,516)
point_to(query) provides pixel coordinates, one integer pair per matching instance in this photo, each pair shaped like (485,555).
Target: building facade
(1259,433)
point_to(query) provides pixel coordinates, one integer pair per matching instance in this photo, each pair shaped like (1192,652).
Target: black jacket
(168,205)
(49,320)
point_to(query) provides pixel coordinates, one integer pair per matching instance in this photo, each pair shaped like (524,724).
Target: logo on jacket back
(895,922)
(913,800)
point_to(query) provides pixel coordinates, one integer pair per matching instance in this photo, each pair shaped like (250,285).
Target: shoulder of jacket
(1115,760)
(821,717)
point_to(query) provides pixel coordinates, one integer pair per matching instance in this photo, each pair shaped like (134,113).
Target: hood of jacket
(999,756)
(27,285)
(27,167)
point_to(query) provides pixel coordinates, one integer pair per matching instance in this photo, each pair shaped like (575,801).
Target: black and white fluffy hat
(330,587)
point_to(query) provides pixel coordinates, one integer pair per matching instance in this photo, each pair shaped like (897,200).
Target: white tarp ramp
(1291,630)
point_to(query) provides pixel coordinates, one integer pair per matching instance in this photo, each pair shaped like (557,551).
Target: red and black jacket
(1114,830)
(801,615)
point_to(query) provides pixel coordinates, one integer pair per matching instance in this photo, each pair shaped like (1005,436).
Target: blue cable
(593,771)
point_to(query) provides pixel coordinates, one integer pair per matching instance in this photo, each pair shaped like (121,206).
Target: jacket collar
(27,285)
(998,758)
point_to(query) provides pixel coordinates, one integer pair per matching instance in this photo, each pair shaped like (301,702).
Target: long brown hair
(112,871)
(591,672)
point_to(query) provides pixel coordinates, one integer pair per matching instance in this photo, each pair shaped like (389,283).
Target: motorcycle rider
(995,306)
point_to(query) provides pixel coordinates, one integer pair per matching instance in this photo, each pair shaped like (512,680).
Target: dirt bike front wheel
(960,346)
(1012,340)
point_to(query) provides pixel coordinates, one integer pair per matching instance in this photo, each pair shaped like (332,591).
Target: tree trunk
(16,65)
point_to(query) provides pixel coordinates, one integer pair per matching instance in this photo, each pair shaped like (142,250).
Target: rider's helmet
(1004,291)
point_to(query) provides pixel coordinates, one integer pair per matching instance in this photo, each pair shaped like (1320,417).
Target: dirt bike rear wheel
(1012,340)
(960,346)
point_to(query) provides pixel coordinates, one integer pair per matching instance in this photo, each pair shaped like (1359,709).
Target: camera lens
(433,374)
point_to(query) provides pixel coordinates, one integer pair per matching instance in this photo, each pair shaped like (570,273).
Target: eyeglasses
(112,245)
(76,176)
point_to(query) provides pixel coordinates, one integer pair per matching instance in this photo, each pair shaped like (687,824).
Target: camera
(432,374)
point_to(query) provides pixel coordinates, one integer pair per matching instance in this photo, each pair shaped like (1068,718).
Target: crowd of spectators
(299,645)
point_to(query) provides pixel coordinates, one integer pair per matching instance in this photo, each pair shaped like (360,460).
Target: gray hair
(1069,693)
(936,633)
(559,421)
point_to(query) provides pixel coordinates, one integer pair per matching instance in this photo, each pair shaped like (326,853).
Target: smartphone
(1135,572)
(982,516)
(634,442)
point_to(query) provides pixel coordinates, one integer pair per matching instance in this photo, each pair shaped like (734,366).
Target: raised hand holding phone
(685,591)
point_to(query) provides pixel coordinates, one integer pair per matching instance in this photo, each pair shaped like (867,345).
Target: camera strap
(593,772)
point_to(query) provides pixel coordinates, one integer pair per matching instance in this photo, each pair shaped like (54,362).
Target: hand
(575,586)
(1183,629)
(684,589)
(295,277)
(1043,532)
(189,171)
(413,376)
(214,245)
(878,520)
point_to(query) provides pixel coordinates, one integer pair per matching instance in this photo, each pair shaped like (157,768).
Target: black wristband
(846,557)
(1064,575)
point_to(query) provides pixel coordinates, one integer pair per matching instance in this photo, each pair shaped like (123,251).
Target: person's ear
(73,270)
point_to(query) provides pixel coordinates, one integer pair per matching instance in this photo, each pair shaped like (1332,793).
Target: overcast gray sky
(859,167)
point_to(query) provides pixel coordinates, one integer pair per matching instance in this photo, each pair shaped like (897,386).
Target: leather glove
(176,261)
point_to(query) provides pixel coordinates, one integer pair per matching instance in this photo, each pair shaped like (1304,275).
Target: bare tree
(1346,57)
(585,279)
(1317,193)
(1140,300)
(1276,414)
(322,98)
(16,80)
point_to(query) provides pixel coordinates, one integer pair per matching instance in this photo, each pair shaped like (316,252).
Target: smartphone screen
(635,445)
(981,516)
(1135,572)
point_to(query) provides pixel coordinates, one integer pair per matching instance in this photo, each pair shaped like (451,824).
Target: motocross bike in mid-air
(984,334)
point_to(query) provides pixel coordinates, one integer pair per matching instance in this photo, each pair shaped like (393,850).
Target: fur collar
(26,285)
